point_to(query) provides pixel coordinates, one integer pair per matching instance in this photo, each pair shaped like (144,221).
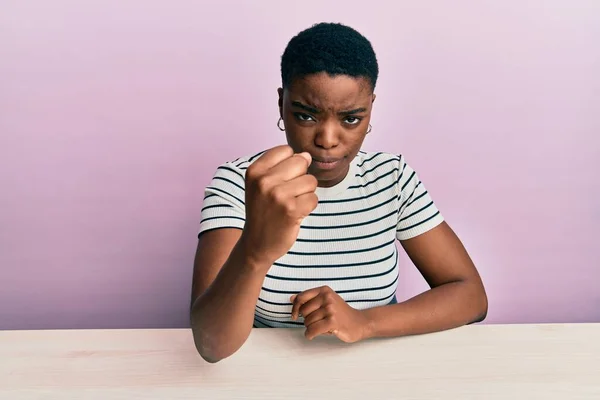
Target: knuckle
(263,183)
(329,308)
(289,208)
(277,195)
(251,174)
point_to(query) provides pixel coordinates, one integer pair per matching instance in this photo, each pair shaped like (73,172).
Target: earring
(369,130)
(279,125)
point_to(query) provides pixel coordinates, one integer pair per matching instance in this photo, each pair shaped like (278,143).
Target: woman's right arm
(231,264)
(226,286)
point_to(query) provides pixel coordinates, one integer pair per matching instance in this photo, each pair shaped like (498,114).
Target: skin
(325,117)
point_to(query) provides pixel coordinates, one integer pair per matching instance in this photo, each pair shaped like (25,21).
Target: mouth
(326,163)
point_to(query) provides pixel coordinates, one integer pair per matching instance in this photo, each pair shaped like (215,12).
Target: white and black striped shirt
(347,242)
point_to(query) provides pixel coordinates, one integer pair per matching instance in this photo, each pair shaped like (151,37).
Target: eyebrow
(316,111)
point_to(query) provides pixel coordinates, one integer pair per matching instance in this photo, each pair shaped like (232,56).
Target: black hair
(332,48)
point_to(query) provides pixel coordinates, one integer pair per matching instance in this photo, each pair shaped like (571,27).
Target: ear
(280,101)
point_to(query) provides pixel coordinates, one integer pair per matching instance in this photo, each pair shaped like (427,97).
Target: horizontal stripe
(218,227)
(416,212)
(330,253)
(216,206)
(377,166)
(365,289)
(349,225)
(375,180)
(358,198)
(227,168)
(274,317)
(256,156)
(370,159)
(425,193)
(348,243)
(220,178)
(337,214)
(227,193)
(273,312)
(372,300)
(261,323)
(341,278)
(418,223)
(223,217)
(335,265)
(346,238)
(288,304)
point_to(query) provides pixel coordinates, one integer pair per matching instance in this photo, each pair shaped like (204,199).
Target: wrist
(367,324)
(247,257)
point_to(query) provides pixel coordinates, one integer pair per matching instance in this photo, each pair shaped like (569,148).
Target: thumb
(306,156)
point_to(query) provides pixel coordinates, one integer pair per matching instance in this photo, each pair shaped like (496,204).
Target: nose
(327,136)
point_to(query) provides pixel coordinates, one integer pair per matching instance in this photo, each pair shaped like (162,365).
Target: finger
(299,186)
(322,327)
(315,316)
(301,298)
(269,159)
(312,306)
(290,168)
(306,203)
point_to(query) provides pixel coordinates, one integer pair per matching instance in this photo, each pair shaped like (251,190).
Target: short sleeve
(417,213)
(223,205)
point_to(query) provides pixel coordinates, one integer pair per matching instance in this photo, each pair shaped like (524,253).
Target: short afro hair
(332,48)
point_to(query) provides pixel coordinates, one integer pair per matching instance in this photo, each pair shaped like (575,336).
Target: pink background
(114,115)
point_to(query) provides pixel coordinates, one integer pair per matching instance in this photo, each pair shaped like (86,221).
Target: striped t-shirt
(346,243)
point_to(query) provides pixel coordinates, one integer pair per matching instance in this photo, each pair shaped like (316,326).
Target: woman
(305,234)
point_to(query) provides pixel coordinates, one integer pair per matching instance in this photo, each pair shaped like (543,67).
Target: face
(327,117)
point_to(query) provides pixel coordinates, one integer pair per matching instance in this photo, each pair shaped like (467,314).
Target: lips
(326,163)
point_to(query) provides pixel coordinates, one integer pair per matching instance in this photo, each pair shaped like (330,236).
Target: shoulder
(389,169)
(376,164)
(368,161)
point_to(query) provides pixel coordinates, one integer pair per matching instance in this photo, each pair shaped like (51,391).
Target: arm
(226,284)
(231,264)
(457,296)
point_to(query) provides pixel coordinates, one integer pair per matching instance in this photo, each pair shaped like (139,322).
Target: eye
(352,120)
(303,117)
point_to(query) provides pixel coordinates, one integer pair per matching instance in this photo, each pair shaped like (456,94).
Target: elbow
(207,347)
(207,352)
(209,359)
(481,308)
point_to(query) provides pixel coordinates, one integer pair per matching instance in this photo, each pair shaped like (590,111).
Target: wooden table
(472,362)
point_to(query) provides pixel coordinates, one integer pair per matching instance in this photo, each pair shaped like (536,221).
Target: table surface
(473,362)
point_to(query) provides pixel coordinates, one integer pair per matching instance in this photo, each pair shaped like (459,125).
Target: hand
(279,195)
(326,313)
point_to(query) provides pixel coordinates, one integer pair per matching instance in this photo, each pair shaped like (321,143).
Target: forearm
(444,307)
(222,317)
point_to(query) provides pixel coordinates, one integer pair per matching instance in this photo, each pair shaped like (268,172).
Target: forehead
(326,91)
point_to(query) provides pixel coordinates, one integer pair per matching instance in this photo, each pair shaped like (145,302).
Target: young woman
(304,234)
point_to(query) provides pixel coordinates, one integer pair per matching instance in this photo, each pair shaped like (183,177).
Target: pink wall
(114,115)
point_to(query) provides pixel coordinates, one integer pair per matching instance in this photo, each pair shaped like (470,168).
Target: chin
(328,178)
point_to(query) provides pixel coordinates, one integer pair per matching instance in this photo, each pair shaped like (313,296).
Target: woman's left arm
(457,296)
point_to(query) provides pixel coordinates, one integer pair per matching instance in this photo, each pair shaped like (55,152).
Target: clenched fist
(326,313)
(279,195)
